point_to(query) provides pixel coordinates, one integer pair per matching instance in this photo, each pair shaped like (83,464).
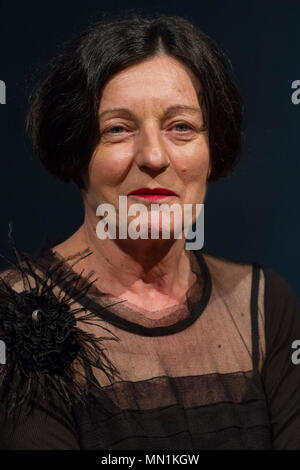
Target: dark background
(249,216)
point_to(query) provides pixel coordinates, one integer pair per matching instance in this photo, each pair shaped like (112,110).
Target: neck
(150,268)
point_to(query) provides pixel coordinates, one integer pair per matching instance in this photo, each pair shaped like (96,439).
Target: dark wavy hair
(62,120)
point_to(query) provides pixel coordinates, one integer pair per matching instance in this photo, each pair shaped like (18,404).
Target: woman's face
(151,136)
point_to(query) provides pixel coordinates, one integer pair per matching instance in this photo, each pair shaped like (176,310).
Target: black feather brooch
(47,349)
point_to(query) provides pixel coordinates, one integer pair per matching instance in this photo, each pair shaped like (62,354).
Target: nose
(151,153)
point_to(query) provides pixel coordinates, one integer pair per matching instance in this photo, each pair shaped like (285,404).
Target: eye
(112,129)
(184,127)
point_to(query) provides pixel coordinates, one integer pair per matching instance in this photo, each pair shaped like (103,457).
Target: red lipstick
(152,194)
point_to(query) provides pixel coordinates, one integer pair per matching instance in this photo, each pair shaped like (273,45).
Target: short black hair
(62,120)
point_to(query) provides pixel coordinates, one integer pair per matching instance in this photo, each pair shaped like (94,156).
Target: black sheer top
(215,372)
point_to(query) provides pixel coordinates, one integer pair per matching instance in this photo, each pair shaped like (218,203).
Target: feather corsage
(47,347)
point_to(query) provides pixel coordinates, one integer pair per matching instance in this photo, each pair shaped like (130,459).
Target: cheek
(193,164)
(109,167)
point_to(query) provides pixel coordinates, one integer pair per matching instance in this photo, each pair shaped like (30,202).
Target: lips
(152,193)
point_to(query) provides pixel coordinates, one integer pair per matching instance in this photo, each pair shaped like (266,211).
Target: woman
(200,357)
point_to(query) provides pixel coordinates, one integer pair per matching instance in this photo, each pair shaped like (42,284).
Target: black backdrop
(251,215)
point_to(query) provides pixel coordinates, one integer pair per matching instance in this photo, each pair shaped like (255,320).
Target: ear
(209,171)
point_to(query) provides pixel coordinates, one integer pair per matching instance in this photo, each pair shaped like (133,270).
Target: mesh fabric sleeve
(280,374)
(47,428)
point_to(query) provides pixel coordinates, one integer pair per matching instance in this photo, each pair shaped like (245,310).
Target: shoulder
(278,309)
(12,277)
(227,274)
(234,289)
(26,275)
(278,290)
(49,347)
(282,313)
(232,273)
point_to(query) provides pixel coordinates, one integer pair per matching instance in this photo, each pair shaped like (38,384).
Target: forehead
(159,79)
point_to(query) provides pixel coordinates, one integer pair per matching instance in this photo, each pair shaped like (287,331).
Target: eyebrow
(169,111)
